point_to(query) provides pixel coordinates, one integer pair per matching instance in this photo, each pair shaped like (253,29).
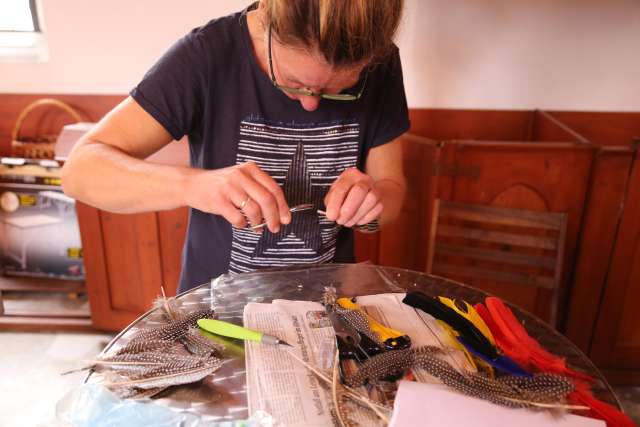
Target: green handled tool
(226,329)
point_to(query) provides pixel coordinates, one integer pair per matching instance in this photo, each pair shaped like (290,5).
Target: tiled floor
(31,384)
(30,367)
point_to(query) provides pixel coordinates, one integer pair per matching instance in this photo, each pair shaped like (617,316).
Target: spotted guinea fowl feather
(156,358)
(174,330)
(200,345)
(170,374)
(543,389)
(133,363)
(140,346)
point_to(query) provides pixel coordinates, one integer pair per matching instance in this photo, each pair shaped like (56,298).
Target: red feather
(599,409)
(514,352)
(512,338)
(518,340)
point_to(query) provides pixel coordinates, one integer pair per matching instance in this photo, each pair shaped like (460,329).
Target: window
(21,38)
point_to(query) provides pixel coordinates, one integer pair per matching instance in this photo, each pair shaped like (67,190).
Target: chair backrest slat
(504,216)
(539,261)
(522,279)
(494,246)
(491,236)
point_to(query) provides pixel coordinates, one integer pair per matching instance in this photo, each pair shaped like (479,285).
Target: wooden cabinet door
(551,177)
(609,182)
(127,258)
(616,343)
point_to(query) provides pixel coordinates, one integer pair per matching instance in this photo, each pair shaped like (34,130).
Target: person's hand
(235,190)
(353,199)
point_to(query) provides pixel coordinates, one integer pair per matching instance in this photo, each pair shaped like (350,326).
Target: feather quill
(169,305)
(354,395)
(337,403)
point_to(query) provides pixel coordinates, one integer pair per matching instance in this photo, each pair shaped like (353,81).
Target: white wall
(502,54)
(523,54)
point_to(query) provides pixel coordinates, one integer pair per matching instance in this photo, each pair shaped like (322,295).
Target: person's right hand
(235,190)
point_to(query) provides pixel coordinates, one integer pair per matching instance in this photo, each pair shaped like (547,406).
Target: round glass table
(222,396)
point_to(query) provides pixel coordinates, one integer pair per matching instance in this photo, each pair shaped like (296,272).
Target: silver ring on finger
(244,203)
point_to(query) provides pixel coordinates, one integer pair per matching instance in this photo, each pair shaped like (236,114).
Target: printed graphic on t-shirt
(305,161)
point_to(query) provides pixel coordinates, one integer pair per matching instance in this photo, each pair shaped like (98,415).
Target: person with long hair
(293,110)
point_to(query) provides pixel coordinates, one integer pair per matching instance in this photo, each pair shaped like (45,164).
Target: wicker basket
(43,146)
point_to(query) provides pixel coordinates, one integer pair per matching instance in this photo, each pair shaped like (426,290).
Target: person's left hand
(353,199)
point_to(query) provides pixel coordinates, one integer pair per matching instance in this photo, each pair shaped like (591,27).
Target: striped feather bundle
(170,373)
(537,391)
(157,358)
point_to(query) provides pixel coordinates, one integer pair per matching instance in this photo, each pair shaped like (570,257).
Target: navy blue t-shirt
(209,86)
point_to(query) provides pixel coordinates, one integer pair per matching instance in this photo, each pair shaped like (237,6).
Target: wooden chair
(500,248)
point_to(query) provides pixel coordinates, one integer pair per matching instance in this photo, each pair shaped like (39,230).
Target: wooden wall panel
(45,120)
(547,128)
(603,128)
(616,343)
(498,125)
(602,214)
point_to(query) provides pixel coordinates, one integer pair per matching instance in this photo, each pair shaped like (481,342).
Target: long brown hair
(345,32)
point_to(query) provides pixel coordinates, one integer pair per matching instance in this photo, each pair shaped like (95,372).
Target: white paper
(434,405)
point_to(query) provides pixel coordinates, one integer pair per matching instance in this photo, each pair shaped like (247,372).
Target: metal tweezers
(298,208)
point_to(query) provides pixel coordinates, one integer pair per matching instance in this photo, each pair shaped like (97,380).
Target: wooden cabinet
(546,177)
(127,259)
(616,342)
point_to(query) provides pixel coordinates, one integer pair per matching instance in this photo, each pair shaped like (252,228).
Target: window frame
(35,16)
(25,46)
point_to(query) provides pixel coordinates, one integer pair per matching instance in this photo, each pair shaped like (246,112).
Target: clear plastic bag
(92,405)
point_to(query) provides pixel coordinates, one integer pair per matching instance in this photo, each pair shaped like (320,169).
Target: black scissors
(351,343)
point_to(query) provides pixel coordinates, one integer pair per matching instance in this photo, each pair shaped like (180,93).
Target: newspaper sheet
(284,388)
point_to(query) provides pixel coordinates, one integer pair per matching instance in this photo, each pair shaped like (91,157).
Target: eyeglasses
(308,92)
